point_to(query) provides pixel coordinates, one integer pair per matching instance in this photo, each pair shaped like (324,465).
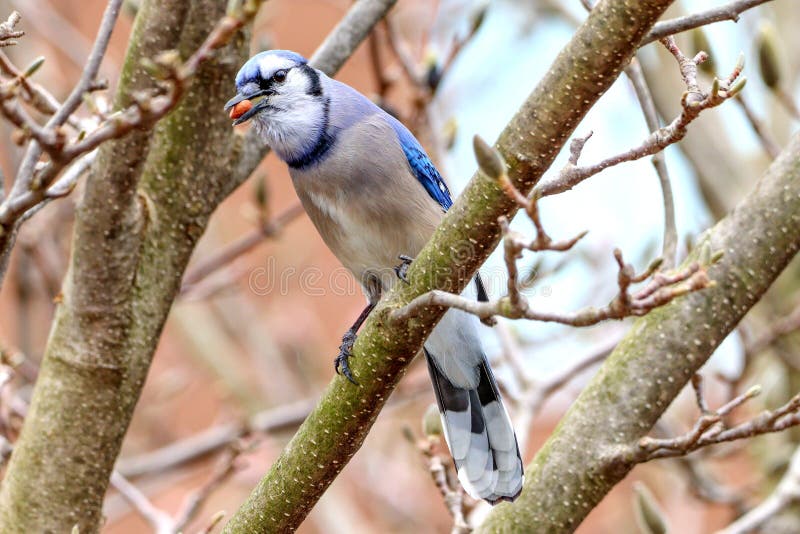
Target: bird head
(272,84)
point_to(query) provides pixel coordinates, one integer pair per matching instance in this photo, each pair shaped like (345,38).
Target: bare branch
(786,493)
(89,73)
(767,142)
(730,11)
(536,392)
(693,102)
(29,188)
(7,31)
(199,496)
(662,289)
(440,469)
(711,428)
(215,438)
(266,230)
(159,520)
(32,93)
(670,240)
(778,328)
(52,138)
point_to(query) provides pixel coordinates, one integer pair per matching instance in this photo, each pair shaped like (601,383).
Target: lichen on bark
(145,205)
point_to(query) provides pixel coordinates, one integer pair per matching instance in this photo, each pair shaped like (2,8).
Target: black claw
(342,362)
(402,270)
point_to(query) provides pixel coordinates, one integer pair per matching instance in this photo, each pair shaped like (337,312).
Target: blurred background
(251,340)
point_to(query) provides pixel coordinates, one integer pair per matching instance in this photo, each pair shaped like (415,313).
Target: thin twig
(146,110)
(778,328)
(786,493)
(46,20)
(453,494)
(694,101)
(730,11)
(188,449)
(767,142)
(53,136)
(159,520)
(787,100)
(7,31)
(199,496)
(536,392)
(89,73)
(378,71)
(711,429)
(670,240)
(244,244)
(662,288)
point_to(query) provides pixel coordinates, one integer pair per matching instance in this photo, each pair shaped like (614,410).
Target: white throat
(294,126)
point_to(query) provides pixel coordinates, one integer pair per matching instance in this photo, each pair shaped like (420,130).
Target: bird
(375,197)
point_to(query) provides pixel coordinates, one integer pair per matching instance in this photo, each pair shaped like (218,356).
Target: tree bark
(145,206)
(595,444)
(334,431)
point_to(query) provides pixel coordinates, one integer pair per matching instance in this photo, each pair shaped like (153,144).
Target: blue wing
(422,166)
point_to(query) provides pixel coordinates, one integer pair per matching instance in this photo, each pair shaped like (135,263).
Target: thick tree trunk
(146,204)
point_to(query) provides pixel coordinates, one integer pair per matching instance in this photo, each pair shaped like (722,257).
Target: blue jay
(374,196)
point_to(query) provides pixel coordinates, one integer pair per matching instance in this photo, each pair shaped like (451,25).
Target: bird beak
(235,100)
(243,107)
(239,107)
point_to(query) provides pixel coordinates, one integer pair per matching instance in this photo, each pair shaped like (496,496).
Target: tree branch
(730,11)
(711,428)
(338,425)
(7,31)
(280,418)
(136,227)
(693,102)
(669,246)
(786,493)
(660,353)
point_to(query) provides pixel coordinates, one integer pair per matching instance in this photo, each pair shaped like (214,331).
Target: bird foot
(402,270)
(342,362)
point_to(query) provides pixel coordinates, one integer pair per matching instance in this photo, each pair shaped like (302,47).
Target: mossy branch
(146,204)
(335,430)
(595,445)
(135,228)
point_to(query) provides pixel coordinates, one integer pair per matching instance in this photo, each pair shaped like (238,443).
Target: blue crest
(251,70)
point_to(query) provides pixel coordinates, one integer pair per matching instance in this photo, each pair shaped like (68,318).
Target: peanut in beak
(240,109)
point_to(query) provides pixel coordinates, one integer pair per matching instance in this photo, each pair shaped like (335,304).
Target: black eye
(279,76)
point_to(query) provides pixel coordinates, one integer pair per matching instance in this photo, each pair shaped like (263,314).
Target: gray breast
(365,202)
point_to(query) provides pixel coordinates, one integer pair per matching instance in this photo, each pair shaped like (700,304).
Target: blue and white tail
(476,424)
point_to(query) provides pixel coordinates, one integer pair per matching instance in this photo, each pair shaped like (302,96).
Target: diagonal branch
(662,288)
(786,494)
(711,428)
(336,428)
(25,174)
(645,98)
(660,353)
